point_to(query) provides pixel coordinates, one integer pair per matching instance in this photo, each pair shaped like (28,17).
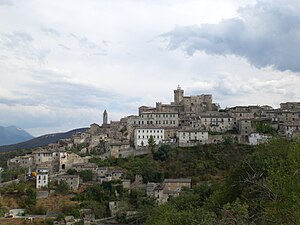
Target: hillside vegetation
(263,189)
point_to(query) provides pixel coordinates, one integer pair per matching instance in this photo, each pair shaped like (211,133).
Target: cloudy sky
(62,62)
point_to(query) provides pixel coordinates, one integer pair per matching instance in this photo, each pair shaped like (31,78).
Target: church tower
(105,117)
(178,95)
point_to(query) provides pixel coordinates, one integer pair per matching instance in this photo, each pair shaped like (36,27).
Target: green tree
(86,175)
(162,153)
(235,213)
(151,144)
(72,172)
(62,188)
(30,199)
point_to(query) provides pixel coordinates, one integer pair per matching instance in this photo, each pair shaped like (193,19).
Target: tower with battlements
(178,95)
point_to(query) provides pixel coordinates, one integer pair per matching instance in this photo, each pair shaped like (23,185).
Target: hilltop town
(188,121)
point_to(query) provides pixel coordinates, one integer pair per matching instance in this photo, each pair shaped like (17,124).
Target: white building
(141,136)
(256,138)
(42,178)
(192,137)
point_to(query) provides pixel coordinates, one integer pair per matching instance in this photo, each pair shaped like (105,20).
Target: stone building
(173,187)
(71,180)
(161,119)
(289,130)
(217,123)
(290,106)
(182,105)
(67,159)
(109,174)
(21,162)
(177,184)
(117,147)
(191,137)
(85,166)
(245,129)
(156,190)
(287,116)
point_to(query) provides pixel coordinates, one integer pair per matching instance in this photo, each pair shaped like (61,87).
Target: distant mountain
(12,135)
(41,141)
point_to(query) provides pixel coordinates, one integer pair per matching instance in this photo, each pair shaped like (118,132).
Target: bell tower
(105,117)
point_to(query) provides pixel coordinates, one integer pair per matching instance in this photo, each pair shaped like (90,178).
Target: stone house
(71,180)
(117,146)
(177,184)
(290,105)
(156,190)
(114,174)
(85,166)
(173,187)
(191,137)
(289,130)
(23,162)
(109,174)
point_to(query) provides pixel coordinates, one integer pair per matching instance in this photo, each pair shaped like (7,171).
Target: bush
(62,188)
(86,175)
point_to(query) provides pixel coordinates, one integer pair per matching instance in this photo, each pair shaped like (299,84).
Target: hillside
(12,135)
(40,141)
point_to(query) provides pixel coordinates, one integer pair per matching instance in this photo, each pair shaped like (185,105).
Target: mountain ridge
(41,140)
(12,135)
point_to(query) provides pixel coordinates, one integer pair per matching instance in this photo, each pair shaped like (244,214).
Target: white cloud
(65,62)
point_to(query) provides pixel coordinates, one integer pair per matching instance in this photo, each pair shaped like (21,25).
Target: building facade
(142,136)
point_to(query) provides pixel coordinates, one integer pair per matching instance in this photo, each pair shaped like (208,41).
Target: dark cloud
(267,34)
